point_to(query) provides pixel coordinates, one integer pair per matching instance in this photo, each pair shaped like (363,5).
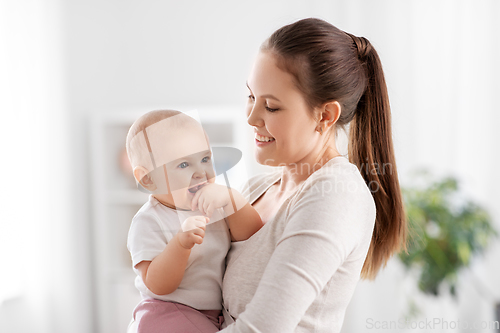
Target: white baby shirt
(154,226)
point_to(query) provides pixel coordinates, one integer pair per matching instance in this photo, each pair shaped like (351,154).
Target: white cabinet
(115,200)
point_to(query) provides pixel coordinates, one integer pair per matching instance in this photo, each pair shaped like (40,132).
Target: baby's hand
(209,198)
(193,231)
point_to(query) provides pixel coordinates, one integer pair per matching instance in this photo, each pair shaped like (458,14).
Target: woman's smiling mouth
(262,138)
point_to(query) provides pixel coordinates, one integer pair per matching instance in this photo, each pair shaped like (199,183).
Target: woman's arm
(321,230)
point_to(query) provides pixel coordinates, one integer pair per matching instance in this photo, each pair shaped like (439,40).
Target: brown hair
(329,64)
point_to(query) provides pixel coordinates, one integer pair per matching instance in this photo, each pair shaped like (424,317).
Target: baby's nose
(200,173)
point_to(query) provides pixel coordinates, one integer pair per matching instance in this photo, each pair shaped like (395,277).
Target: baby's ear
(141,175)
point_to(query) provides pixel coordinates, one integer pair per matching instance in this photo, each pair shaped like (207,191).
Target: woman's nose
(253,118)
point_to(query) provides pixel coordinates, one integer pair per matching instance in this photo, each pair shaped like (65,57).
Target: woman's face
(283,125)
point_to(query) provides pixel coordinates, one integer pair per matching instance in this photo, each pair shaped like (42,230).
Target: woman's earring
(320,130)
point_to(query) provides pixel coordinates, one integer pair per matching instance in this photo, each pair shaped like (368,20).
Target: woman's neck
(294,174)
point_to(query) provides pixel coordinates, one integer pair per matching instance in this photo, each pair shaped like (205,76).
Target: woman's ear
(141,175)
(330,113)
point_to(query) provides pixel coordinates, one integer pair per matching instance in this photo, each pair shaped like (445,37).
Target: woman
(329,220)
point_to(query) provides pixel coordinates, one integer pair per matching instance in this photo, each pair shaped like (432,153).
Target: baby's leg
(155,316)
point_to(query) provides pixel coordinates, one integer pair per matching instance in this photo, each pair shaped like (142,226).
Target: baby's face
(187,175)
(187,162)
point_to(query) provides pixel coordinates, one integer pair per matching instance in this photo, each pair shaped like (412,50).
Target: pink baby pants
(155,316)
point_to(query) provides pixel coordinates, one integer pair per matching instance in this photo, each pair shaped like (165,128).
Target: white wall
(38,280)
(439,58)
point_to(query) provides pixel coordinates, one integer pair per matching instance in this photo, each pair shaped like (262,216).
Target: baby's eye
(205,159)
(183,165)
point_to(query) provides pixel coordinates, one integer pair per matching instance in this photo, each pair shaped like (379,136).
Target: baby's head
(170,156)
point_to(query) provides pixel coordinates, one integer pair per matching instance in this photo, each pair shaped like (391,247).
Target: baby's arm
(164,273)
(243,220)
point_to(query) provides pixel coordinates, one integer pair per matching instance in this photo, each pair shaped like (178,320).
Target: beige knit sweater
(298,273)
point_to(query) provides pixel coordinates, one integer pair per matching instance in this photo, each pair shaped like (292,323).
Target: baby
(179,239)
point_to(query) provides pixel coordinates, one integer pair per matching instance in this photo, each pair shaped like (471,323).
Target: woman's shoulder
(336,192)
(338,178)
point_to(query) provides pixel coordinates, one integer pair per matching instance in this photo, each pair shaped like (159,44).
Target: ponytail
(371,150)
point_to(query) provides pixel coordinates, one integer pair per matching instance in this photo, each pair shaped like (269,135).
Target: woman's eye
(205,159)
(183,165)
(250,97)
(271,110)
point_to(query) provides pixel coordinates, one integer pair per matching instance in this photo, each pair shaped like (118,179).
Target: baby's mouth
(195,188)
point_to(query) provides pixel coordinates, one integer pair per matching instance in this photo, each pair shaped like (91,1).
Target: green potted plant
(446,232)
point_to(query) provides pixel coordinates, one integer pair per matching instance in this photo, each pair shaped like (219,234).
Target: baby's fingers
(194,238)
(210,210)
(201,204)
(206,207)
(201,222)
(196,198)
(198,239)
(194,201)
(198,232)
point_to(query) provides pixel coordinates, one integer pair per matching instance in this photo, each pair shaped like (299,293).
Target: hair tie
(363,46)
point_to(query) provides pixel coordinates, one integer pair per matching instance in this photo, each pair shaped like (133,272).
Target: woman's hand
(209,198)
(193,231)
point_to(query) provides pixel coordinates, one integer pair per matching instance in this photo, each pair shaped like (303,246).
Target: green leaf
(464,228)
(463,252)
